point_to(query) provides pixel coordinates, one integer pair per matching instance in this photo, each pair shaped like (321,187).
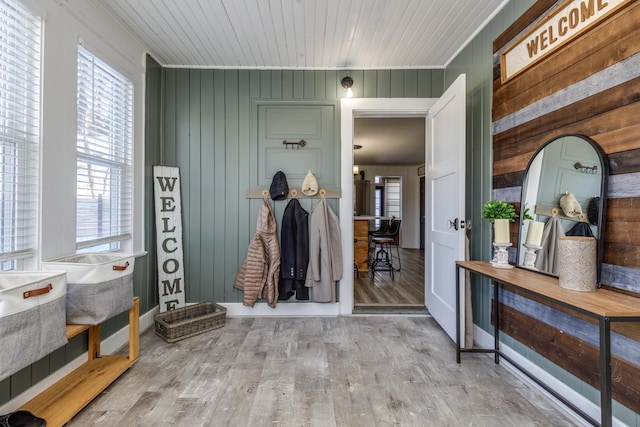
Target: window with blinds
(20,65)
(388,197)
(105,139)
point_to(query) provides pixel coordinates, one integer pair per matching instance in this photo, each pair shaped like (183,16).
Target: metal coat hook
(300,143)
(586,169)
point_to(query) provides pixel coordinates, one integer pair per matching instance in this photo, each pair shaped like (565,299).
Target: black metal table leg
(605,372)
(496,326)
(457,313)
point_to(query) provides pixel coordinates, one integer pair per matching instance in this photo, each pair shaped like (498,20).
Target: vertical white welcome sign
(166,185)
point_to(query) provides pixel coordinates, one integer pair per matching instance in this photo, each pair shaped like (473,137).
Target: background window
(105,138)
(20,56)
(388,197)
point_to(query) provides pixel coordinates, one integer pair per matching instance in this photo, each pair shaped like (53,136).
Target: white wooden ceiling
(315,34)
(305,34)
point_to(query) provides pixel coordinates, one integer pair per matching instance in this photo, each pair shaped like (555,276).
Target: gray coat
(325,253)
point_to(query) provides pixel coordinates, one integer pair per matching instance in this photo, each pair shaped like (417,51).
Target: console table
(603,305)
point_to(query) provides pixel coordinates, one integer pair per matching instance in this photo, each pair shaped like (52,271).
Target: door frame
(350,108)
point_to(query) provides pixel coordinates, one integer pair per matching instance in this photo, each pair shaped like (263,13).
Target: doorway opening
(445,188)
(352,109)
(389,277)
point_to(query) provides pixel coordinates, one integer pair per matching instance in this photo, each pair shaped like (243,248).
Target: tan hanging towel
(310,185)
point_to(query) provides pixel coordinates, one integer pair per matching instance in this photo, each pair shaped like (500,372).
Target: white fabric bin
(32,317)
(99,285)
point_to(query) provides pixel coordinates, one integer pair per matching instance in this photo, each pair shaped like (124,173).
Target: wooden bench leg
(134,330)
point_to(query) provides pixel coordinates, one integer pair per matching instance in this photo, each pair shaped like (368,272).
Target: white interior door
(445,179)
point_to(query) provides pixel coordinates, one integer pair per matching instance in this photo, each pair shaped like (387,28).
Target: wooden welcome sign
(166,185)
(569,20)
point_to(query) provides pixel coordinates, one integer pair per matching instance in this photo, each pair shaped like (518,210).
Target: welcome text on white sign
(564,24)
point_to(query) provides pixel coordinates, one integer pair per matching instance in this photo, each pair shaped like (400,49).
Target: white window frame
(20,134)
(104,155)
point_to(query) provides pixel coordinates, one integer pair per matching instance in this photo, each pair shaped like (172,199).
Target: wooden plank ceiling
(305,34)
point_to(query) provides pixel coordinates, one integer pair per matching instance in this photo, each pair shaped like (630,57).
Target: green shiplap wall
(475,60)
(207,116)
(146,272)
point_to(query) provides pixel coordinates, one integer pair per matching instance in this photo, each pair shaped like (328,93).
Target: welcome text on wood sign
(168,210)
(565,23)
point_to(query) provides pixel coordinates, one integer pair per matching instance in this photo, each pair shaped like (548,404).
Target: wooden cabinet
(361,243)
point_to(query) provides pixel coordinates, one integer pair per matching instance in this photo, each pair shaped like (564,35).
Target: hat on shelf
(279,189)
(570,205)
(310,185)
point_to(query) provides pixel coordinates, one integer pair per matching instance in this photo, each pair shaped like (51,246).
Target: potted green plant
(499,213)
(498,209)
(526,214)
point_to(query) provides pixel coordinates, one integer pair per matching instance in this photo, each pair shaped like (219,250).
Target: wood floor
(405,290)
(344,371)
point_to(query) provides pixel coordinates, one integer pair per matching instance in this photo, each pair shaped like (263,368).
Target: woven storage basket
(181,323)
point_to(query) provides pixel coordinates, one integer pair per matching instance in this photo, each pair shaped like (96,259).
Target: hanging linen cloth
(547,259)
(260,271)
(325,251)
(294,250)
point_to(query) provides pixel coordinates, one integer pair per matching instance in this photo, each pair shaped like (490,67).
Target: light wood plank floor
(345,371)
(407,288)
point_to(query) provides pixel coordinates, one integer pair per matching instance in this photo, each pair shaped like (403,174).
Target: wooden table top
(602,302)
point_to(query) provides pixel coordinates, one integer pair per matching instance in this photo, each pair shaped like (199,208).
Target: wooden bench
(63,400)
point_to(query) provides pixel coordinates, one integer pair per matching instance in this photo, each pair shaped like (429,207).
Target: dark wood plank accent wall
(590,86)
(207,132)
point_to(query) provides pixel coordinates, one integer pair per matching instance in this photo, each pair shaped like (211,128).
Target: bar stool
(393,232)
(383,260)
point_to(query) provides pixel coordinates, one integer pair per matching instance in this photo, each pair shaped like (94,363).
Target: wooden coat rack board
(256,193)
(557,212)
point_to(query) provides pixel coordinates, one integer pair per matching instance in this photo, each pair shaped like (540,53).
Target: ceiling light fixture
(346,83)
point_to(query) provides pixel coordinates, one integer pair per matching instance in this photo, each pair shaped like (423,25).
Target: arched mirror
(564,193)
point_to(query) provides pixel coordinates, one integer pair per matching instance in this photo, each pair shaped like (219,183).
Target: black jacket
(294,252)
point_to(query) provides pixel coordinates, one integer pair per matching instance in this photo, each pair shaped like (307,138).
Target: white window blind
(20,59)
(105,139)
(392,197)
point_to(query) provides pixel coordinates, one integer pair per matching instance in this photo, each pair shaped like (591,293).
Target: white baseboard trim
(283,310)
(108,346)
(485,340)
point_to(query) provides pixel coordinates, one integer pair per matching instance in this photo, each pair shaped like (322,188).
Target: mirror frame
(601,213)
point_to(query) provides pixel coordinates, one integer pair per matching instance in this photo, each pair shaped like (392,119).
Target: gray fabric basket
(92,304)
(99,285)
(30,335)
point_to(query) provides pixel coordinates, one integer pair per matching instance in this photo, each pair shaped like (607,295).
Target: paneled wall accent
(589,86)
(209,119)
(312,122)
